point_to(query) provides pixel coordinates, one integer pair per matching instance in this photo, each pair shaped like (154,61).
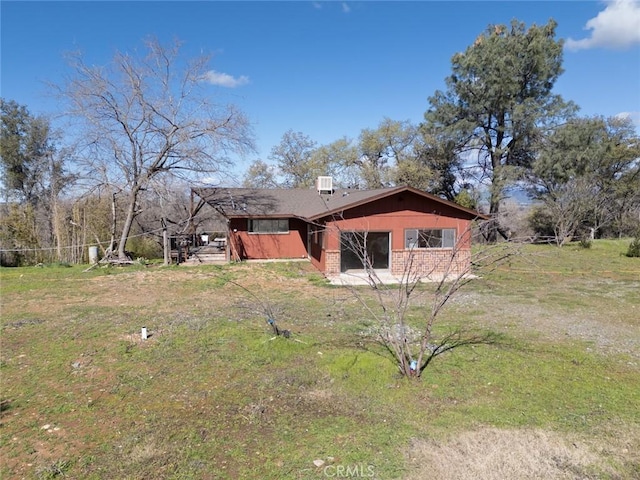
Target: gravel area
(604,330)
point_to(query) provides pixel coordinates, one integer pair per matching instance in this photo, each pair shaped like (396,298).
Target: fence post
(165,243)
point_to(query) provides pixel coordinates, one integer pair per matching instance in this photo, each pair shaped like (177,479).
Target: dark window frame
(268,225)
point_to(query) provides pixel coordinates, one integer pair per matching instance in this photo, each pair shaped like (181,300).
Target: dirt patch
(496,454)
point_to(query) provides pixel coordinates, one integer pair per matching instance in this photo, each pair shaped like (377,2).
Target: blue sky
(326,69)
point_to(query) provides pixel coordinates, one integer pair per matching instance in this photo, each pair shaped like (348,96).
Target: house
(338,230)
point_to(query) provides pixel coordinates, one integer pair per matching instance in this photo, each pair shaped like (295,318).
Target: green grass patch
(212,393)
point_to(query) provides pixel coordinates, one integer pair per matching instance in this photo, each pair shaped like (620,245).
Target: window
(434,238)
(269,225)
(317,237)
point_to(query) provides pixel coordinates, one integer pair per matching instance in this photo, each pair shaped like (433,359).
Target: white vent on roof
(325,184)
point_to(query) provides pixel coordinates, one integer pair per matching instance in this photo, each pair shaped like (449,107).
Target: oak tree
(34,174)
(295,161)
(260,175)
(587,176)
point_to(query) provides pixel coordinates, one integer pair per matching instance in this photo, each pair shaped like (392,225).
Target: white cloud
(224,79)
(209,181)
(634,116)
(617,26)
(345,7)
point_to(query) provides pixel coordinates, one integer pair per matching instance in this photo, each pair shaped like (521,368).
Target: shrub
(541,222)
(585,242)
(634,247)
(144,247)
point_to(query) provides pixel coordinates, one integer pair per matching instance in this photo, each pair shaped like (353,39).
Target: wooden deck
(206,255)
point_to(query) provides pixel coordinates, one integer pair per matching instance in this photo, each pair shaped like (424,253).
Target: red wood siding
(247,246)
(316,247)
(395,214)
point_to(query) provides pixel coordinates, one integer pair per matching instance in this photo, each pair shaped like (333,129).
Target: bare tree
(413,348)
(260,305)
(568,207)
(147,116)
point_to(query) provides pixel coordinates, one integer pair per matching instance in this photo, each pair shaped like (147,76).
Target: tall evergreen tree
(498,101)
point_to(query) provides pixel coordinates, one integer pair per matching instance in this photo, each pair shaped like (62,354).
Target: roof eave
(327,213)
(473,213)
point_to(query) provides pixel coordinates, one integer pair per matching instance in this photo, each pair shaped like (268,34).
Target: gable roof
(307,204)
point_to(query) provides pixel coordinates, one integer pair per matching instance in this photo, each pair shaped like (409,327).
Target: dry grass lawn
(523,454)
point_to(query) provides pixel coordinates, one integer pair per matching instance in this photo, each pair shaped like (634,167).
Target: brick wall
(431,262)
(332,265)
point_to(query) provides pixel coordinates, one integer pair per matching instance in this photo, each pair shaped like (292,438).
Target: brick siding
(424,263)
(430,262)
(332,265)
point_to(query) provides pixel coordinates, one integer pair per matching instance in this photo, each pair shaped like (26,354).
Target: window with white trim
(430,238)
(269,225)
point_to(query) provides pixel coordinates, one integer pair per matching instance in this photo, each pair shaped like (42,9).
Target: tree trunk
(495,196)
(126,228)
(496,190)
(57,235)
(112,242)
(494,210)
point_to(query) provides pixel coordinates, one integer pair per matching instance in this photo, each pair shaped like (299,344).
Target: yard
(212,394)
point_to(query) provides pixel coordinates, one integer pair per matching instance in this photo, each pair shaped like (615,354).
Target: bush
(144,247)
(634,247)
(585,243)
(541,222)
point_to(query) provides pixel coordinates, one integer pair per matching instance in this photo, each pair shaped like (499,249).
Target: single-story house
(339,230)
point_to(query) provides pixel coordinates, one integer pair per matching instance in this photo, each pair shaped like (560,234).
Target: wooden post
(191,213)
(165,243)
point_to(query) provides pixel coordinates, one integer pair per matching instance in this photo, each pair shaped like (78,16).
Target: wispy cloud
(634,116)
(224,79)
(344,6)
(617,27)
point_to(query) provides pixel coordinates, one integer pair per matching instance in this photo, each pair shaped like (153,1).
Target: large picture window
(269,225)
(431,238)
(361,250)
